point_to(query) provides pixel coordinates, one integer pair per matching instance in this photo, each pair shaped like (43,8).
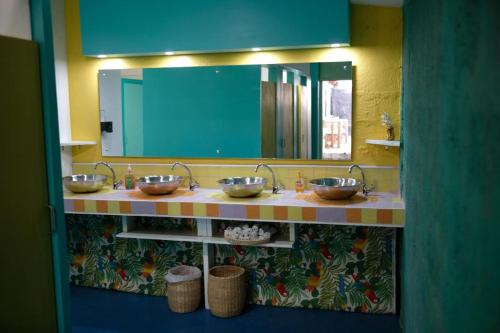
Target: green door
(27,301)
(132,115)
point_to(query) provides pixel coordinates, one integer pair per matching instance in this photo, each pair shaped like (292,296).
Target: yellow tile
(307,173)
(237,172)
(398,217)
(396,199)
(199,209)
(199,171)
(290,172)
(294,213)
(174,208)
(113,207)
(288,183)
(368,216)
(215,171)
(266,212)
(158,170)
(319,172)
(90,206)
(211,182)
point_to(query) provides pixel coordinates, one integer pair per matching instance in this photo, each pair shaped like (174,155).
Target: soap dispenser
(299,184)
(129,179)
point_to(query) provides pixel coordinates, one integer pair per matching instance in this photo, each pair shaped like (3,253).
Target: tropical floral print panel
(99,259)
(329,267)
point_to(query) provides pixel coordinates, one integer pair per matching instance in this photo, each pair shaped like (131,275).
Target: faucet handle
(367,189)
(279,187)
(194,184)
(117,184)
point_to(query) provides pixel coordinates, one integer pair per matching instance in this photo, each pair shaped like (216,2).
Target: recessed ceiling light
(256,49)
(102,56)
(169,53)
(335,45)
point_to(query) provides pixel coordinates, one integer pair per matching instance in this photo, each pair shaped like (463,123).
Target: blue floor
(99,311)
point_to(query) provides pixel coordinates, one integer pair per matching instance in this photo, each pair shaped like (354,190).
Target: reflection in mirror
(249,111)
(337,106)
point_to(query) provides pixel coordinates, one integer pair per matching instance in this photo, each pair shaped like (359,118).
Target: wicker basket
(226,291)
(184,296)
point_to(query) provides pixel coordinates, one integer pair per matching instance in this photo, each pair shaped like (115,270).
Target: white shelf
(155,235)
(386,143)
(275,243)
(77,143)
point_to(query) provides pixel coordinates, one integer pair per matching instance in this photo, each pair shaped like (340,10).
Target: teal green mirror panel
(202,111)
(133,118)
(131,27)
(246,111)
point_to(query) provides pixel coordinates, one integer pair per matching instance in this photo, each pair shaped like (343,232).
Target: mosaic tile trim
(333,215)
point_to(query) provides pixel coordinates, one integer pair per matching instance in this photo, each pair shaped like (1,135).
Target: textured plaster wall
(451,114)
(376,55)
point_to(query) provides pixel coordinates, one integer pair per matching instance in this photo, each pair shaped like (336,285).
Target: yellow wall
(376,41)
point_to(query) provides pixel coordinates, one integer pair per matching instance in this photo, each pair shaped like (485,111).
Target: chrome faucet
(276,187)
(366,189)
(192,183)
(116,184)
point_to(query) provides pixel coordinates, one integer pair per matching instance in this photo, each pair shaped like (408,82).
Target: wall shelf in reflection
(77,143)
(385,143)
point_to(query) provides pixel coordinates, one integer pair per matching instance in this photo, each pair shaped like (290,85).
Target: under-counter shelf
(164,236)
(152,235)
(273,243)
(204,233)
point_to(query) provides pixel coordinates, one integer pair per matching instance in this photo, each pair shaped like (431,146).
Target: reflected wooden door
(268,119)
(303,122)
(287,120)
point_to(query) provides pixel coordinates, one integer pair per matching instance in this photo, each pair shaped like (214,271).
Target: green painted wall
(131,27)
(451,155)
(42,34)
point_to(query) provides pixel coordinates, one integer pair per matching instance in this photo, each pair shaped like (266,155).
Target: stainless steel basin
(335,188)
(156,185)
(84,183)
(242,187)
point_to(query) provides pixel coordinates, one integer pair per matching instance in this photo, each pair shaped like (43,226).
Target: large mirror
(301,111)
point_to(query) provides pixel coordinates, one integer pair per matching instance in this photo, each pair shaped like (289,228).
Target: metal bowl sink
(242,187)
(335,188)
(157,185)
(84,183)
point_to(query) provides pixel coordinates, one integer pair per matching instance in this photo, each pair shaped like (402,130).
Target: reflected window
(336,119)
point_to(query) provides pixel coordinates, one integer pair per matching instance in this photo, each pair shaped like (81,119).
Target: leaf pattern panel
(99,259)
(342,268)
(329,267)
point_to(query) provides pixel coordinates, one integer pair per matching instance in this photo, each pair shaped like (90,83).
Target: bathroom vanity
(207,208)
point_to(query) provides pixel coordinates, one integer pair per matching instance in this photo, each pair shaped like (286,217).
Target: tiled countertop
(380,209)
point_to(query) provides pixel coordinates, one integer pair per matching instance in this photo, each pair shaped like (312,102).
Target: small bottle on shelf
(299,184)
(129,179)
